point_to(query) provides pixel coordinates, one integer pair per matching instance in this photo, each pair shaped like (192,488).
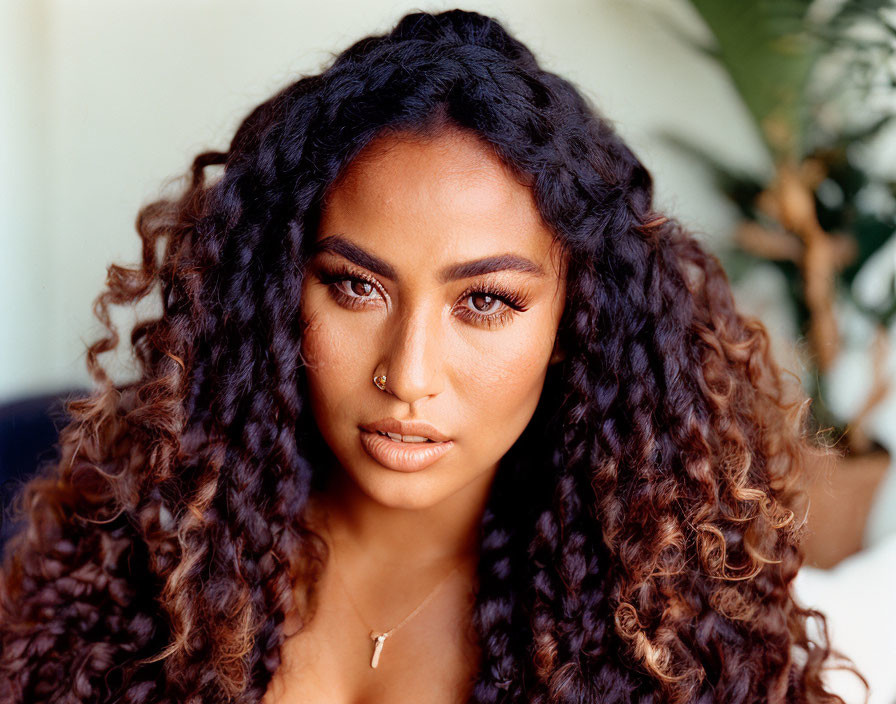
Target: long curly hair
(642,534)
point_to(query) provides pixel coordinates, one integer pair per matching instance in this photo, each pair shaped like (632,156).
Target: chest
(431,658)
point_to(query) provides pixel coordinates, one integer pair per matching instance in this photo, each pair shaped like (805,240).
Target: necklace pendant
(377,649)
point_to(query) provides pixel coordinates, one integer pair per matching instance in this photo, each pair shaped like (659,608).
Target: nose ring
(380,382)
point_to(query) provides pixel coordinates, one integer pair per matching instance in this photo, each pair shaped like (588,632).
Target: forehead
(439,198)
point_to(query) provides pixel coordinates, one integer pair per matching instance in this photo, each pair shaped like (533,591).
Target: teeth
(405,438)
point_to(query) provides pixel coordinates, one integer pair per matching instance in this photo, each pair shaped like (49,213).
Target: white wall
(26,282)
(106,100)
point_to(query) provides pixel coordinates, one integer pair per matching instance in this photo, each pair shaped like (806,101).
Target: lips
(403,456)
(411,428)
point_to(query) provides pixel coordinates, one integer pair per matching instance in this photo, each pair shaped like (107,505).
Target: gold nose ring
(380,382)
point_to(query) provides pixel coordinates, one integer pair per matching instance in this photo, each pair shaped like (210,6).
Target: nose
(414,358)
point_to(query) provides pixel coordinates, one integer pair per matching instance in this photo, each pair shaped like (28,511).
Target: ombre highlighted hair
(642,535)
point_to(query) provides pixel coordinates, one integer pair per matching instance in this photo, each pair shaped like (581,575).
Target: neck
(364,529)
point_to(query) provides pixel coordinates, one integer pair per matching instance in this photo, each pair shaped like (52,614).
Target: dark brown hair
(643,533)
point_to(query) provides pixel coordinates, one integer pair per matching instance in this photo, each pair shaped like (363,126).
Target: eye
(491,305)
(488,305)
(357,288)
(349,288)
(485,303)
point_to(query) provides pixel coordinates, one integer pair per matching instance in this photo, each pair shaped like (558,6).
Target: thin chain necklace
(380,638)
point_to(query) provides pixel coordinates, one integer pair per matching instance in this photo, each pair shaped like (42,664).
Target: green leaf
(765,47)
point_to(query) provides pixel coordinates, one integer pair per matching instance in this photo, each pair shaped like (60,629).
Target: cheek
(332,361)
(506,381)
(329,342)
(330,352)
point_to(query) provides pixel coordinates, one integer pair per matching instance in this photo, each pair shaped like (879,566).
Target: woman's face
(394,288)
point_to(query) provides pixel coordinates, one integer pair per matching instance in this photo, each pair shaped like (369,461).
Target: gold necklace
(380,638)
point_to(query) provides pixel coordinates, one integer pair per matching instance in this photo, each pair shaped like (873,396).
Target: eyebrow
(337,244)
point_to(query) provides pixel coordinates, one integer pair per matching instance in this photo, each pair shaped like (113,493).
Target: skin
(420,205)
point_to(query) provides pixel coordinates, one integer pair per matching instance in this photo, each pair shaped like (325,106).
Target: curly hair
(641,536)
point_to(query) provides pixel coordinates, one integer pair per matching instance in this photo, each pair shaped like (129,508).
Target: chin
(405,492)
(402,490)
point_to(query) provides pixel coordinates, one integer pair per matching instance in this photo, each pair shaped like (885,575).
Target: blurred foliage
(808,74)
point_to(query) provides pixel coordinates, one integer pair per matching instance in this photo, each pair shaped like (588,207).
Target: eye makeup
(514,302)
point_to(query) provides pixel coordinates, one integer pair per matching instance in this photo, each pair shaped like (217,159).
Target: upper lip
(408,427)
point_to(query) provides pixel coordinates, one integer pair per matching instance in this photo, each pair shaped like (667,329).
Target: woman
(438,409)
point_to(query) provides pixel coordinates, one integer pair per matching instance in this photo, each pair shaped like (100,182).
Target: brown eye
(361,288)
(484,303)
(348,289)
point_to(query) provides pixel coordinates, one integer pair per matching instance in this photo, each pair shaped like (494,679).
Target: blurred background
(767,125)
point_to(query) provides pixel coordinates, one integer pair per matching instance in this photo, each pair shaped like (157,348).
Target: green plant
(809,73)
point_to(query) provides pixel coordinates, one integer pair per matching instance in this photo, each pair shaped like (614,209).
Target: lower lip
(403,456)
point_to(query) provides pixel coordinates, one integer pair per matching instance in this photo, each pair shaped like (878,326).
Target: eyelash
(514,303)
